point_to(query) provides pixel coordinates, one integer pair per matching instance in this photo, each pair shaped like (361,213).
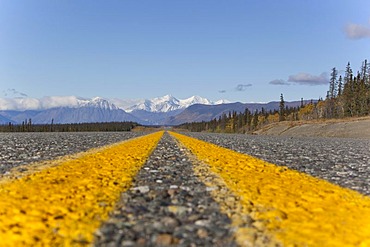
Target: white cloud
(308,79)
(19,104)
(59,101)
(22,104)
(356,31)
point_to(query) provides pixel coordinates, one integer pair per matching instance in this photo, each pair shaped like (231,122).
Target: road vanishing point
(171,189)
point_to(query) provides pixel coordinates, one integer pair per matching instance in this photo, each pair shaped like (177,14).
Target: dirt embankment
(348,128)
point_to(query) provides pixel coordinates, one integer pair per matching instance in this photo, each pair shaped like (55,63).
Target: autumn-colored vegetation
(348,96)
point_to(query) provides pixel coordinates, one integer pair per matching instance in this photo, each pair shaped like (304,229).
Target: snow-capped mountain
(194,100)
(161,104)
(168,103)
(72,109)
(97,102)
(82,111)
(166,110)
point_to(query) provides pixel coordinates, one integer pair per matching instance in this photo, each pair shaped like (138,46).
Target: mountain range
(166,110)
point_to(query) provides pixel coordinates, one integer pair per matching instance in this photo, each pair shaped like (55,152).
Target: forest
(28,126)
(347,96)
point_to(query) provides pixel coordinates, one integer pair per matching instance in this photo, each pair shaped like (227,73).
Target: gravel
(23,148)
(167,206)
(342,161)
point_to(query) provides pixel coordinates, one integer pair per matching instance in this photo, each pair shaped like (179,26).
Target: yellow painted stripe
(294,208)
(63,205)
(33,167)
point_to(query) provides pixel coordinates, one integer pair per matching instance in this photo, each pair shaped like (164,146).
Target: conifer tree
(365,70)
(348,73)
(255,120)
(340,85)
(333,83)
(281,108)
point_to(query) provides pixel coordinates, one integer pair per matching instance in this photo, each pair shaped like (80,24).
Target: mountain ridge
(166,110)
(199,113)
(168,103)
(159,104)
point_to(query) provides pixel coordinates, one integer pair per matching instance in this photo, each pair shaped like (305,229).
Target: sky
(239,50)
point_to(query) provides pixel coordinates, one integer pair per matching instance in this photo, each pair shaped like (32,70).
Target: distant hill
(71,115)
(154,118)
(166,110)
(5,120)
(72,109)
(199,113)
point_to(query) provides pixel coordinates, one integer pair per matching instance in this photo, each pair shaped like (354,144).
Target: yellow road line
(33,167)
(292,207)
(63,205)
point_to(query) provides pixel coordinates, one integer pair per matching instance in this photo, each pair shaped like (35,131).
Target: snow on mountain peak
(222,101)
(161,104)
(165,99)
(165,103)
(102,103)
(168,103)
(97,102)
(194,100)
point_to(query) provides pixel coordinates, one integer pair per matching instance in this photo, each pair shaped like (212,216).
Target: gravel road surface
(339,160)
(23,148)
(167,206)
(342,161)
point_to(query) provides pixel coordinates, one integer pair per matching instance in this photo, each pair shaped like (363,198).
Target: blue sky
(249,51)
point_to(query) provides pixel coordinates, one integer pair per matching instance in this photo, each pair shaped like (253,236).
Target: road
(183,198)
(23,148)
(342,161)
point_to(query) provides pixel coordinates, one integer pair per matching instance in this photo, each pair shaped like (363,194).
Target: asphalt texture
(342,161)
(166,206)
(23,148)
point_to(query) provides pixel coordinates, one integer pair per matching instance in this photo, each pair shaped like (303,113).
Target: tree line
(28,126)
(347,96)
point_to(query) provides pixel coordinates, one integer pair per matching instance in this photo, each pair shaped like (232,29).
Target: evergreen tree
(248,118)
(333,83)
(340,85)
(365,71)
(255,120)
(281,108)
(348,74)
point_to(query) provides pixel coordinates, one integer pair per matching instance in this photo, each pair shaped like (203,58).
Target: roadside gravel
(167,206)
(23,148)
(342,161)
(343,128)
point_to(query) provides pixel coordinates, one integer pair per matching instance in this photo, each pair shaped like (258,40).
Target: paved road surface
(23,148)
(342,161)
(176,200)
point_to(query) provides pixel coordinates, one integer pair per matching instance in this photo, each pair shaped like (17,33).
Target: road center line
(295,208)
(63,205)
